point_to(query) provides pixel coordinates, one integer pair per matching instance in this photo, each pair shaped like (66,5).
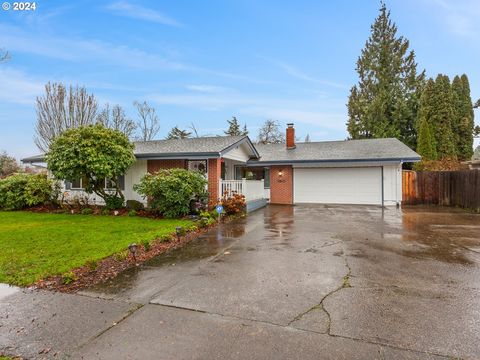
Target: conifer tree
(384,103)
(425,142)
(443,117)
(234,128)
(177,133)
(463,122)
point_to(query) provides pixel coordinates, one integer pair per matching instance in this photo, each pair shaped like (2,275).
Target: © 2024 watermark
(19,6)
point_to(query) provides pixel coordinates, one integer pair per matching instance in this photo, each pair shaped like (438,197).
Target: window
(253,173)
(238,172)
(110,184)
(197,165)
(79,184)
(266,178)
(76,184)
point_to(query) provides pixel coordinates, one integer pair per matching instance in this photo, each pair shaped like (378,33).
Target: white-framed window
(79,184)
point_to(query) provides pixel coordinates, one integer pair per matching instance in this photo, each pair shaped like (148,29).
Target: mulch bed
(113,265)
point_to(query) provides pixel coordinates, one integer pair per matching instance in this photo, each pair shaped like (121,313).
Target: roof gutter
(189,155)
(288,162)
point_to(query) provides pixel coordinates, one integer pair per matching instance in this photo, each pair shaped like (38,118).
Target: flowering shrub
(234,204)
(170,192)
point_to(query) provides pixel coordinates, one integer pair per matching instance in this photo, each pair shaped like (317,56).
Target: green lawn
(33,246)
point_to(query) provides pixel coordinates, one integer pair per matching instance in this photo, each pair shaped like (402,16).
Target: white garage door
(362,185)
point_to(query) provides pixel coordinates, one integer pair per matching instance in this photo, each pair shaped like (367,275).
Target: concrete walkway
(304,282)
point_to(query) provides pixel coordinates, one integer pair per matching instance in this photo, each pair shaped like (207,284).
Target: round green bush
(19,191)
(170,191)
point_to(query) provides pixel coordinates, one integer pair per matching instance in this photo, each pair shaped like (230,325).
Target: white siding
(392,184)
(349,185)
(132,177)
(230,168)
(240,153)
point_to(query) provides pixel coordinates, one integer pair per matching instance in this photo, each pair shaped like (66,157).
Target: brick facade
(154,165)
(214,176)
(281,187)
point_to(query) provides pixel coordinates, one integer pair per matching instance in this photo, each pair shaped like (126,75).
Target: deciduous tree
(270,133)
(149,124)
(8,165)
(60,109)
(115,118)
(95,153)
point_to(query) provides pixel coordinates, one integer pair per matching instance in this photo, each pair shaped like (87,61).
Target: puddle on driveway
(448,235)
(7,290)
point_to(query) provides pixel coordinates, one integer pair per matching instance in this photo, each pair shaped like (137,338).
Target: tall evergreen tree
(234,128)
(463,122)
(384,103)
(443,117)
(426,112)
(177,133)
(425,142)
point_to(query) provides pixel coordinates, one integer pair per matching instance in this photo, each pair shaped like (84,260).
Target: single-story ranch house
(331,172)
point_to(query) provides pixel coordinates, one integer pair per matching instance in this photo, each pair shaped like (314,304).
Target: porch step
(253,205)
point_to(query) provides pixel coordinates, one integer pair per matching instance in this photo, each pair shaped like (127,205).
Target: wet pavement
(304,282)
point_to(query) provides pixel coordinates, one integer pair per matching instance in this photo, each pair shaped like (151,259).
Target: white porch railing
(251,189)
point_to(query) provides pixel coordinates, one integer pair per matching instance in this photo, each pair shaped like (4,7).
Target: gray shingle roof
(202,146)
(326,151)
(190,146)
(331,151)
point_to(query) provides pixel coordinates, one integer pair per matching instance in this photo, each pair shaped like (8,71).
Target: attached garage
(353,185)
(358,172)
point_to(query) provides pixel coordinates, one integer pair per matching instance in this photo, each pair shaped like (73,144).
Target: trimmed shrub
(87,211)
(113,202)
(19,191)
(132,213)
(134,205)
(234,204)
(171,191)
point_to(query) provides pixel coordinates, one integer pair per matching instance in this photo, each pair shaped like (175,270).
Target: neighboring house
(331,172)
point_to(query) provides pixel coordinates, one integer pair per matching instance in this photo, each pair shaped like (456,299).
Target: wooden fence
(445,188)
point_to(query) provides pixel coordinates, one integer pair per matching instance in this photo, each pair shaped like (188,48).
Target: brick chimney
(290,136)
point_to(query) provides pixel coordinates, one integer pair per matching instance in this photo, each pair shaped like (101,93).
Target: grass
(34,246)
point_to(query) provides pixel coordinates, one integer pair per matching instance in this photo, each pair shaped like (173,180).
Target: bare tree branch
(115,118)
(148,124)
(194,129)
(61,109)
(270,133)
(4,55)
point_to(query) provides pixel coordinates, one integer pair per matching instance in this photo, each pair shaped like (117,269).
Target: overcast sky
(203,62)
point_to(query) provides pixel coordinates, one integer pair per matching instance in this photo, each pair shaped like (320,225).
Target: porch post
(214,175)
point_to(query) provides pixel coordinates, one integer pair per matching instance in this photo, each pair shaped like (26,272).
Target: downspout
(383,190)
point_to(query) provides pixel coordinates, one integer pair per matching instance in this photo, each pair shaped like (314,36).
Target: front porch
(253,183)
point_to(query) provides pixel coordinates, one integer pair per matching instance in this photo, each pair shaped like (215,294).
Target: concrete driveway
(303,282)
